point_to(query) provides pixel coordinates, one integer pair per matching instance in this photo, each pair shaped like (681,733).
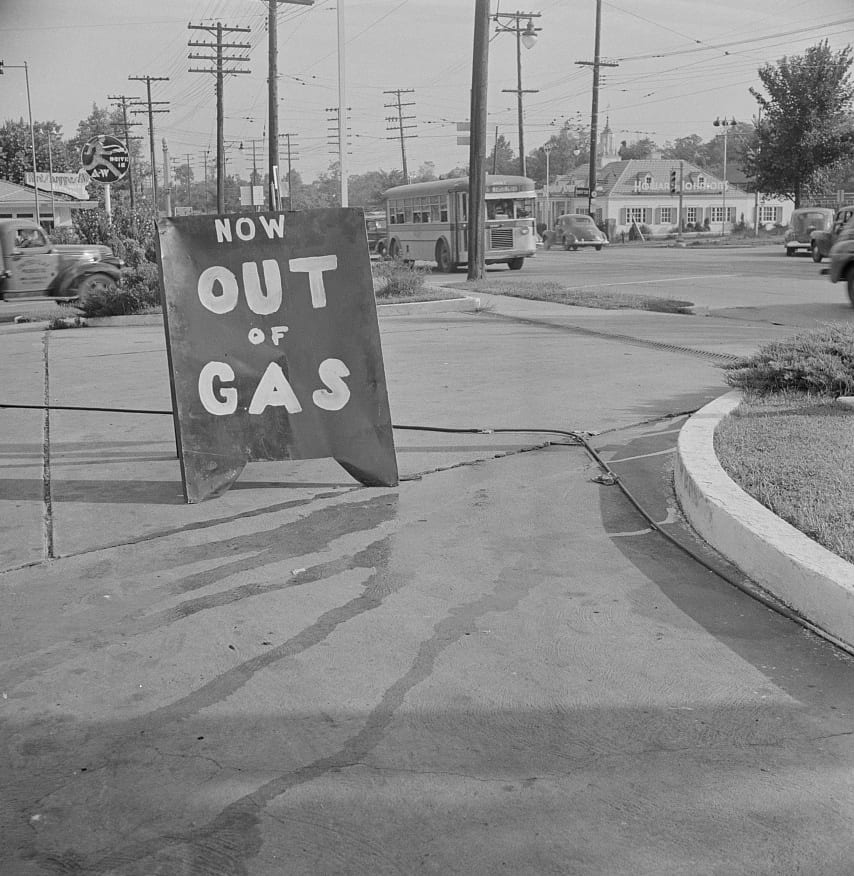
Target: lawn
(602,298)
(794,453)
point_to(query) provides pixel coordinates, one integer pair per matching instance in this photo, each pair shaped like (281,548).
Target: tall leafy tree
(16,153)
(805,127)
(502,158)
(640,149)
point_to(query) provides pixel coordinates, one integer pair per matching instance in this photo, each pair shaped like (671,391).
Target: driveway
(495,667)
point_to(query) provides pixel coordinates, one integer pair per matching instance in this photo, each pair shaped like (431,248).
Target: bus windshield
(509,208)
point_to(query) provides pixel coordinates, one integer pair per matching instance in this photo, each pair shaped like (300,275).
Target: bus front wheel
(443,258)
(516,264)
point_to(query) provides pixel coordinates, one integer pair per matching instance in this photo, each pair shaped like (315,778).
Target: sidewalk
(497,666)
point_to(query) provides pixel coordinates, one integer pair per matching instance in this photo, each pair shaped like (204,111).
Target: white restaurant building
(646,192)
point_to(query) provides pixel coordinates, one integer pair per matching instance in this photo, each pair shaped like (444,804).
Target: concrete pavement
(496,667)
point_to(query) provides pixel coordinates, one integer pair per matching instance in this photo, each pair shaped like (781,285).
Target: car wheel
(94,284)
(849,280)
(816,253)
(443,258)
(394,251)
(599,248)
(516,264)
(380,250)
(790,251)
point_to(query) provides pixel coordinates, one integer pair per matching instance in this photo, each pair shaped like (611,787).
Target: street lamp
(26,70)
(723,123)
(528,39)
(547,148)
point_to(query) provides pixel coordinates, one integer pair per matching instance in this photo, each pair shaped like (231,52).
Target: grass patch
(597,297)
(818,360)
(399,283)
(792,452)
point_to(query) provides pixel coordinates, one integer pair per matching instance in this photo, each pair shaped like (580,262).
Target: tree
(16,153)
(365,190)
(640,149)
(804,127)
(568,149)
(690,148)
(502,159)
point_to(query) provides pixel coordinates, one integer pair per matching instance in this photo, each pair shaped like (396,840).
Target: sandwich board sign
(273,345)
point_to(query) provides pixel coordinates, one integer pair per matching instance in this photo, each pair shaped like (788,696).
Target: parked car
(821,242)
(30,265)
(574,230)
(377,228)
(842,258)
(804,221)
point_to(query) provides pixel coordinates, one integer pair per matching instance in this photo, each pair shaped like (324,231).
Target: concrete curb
(466,303)
(443,305)
(812,580)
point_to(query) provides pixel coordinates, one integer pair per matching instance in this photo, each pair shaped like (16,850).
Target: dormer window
(701,180)
(648,179)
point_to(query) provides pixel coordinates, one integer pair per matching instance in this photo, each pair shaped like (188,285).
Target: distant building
(646,192)
(55,207)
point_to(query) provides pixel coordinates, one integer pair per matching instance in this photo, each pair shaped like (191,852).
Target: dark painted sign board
(273,344)
(105,159)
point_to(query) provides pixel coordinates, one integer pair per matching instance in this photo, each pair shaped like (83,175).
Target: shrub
(393,279)
(819,361)
(138,292)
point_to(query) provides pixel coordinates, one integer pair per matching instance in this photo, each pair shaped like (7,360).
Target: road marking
(662,280)
(642,456)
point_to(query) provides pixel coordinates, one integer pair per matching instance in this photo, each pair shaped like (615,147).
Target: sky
(681,64)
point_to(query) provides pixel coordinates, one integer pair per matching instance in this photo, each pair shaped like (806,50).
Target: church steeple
(606,152)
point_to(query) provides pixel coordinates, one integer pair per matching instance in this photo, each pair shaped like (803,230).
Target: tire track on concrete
(718,358)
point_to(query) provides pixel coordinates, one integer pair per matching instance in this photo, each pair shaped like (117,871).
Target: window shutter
(623,215)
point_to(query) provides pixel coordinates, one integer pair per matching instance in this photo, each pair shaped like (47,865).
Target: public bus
(428,221)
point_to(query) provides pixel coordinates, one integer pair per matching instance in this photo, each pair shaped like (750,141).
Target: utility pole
(273,96)
(123,101)
(151,111)
(205,158)
(167,177)
(253,181)
(594,110)
(189,197)
(396,122)
(339,142)
(291,156)
(477,144)
(529,39)
(220,71)
(342,103)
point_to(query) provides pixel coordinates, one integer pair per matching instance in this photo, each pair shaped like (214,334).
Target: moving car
(574,230)
(842,258)
(32,266)
(821,242)
(804,221)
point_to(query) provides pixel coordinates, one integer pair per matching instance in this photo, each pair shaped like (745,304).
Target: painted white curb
(443,305)
(812,580)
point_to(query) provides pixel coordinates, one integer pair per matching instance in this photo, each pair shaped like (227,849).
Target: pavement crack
(47,495)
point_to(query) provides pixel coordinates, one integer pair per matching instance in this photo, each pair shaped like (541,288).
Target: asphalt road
(746,283)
